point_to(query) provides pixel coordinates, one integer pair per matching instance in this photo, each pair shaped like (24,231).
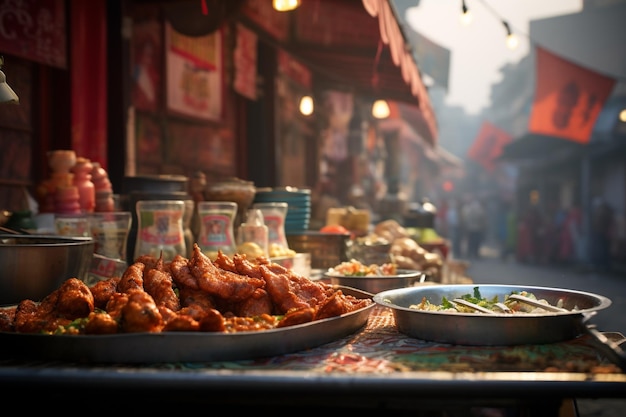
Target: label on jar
(276,228)
(217,231)
(161,227)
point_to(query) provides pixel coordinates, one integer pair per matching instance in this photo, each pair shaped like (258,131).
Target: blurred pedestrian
(507,229)
(474,221)
(455,227)
(532,233)
(601,231)
(570,237)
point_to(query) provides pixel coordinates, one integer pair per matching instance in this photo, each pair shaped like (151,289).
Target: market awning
(533,146)
(353,44)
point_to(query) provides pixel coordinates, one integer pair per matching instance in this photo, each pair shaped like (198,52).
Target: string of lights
(511,39)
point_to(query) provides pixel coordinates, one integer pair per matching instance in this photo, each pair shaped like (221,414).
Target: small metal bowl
(377,283)
(35,265)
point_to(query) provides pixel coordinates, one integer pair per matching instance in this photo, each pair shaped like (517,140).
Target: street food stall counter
(375,369)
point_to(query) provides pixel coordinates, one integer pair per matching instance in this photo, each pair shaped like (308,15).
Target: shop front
(216,94)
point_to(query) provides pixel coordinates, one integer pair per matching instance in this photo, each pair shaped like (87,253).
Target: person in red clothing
(531,232)
(570,236)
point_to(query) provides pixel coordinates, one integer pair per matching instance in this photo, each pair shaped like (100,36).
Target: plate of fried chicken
(187,309)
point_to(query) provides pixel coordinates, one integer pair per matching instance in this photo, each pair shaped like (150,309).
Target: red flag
(568,98)
(488,145)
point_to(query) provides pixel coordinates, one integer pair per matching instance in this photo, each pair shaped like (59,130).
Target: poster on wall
(201,148)
(194,74)
(245,61)
(34,30)
(148,148)
(147,59)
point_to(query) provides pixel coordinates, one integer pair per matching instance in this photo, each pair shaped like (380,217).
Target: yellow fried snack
(250,249)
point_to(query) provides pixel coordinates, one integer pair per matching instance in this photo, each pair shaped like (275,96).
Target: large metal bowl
(32,266)
(490,330)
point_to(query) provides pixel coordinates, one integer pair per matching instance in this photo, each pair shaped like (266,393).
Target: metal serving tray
(186,346)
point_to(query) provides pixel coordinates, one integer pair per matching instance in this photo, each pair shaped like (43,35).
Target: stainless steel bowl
(32,266)
(378,283)
(489,330)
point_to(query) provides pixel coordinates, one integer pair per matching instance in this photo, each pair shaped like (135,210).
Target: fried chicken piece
(140,313)
(226,263)
(338,304)
(132,278)
(257,304)
(198,298)
(312,292)
(159,284)
(176,322)
(75,300)
(103,290)
(101,323)
(7,319)
(293,317)
(281,292)
(31,317)
(219,282)
(240,264)
(25,317)
(181,273)
(116,304)
(70,301)
(150,262)
(213,321)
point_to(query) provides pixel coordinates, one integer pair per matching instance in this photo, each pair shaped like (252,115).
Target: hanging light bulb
(306,105)
(7,95)
(466,15)
(285,5)
(511,39)
(380,109)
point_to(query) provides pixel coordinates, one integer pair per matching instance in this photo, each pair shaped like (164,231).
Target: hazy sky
(479,50)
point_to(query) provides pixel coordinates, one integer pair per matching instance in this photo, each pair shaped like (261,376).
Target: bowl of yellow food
(373,278)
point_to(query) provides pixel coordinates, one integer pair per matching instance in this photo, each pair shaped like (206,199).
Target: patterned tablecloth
(380,349)
(375,367)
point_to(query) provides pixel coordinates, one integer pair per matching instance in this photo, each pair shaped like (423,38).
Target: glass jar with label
(110,232)
(160,229)
(274,214)
(217,227)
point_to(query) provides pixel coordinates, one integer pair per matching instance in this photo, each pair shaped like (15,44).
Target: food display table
(374,370)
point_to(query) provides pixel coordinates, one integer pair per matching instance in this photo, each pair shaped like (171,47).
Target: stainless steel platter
(498,329)
(377,283)
(186,346)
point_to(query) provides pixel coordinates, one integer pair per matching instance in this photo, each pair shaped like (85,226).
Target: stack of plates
(299,205)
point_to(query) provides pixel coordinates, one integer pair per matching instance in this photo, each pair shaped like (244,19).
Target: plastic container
(274,217)
(86,188)
(254,230)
